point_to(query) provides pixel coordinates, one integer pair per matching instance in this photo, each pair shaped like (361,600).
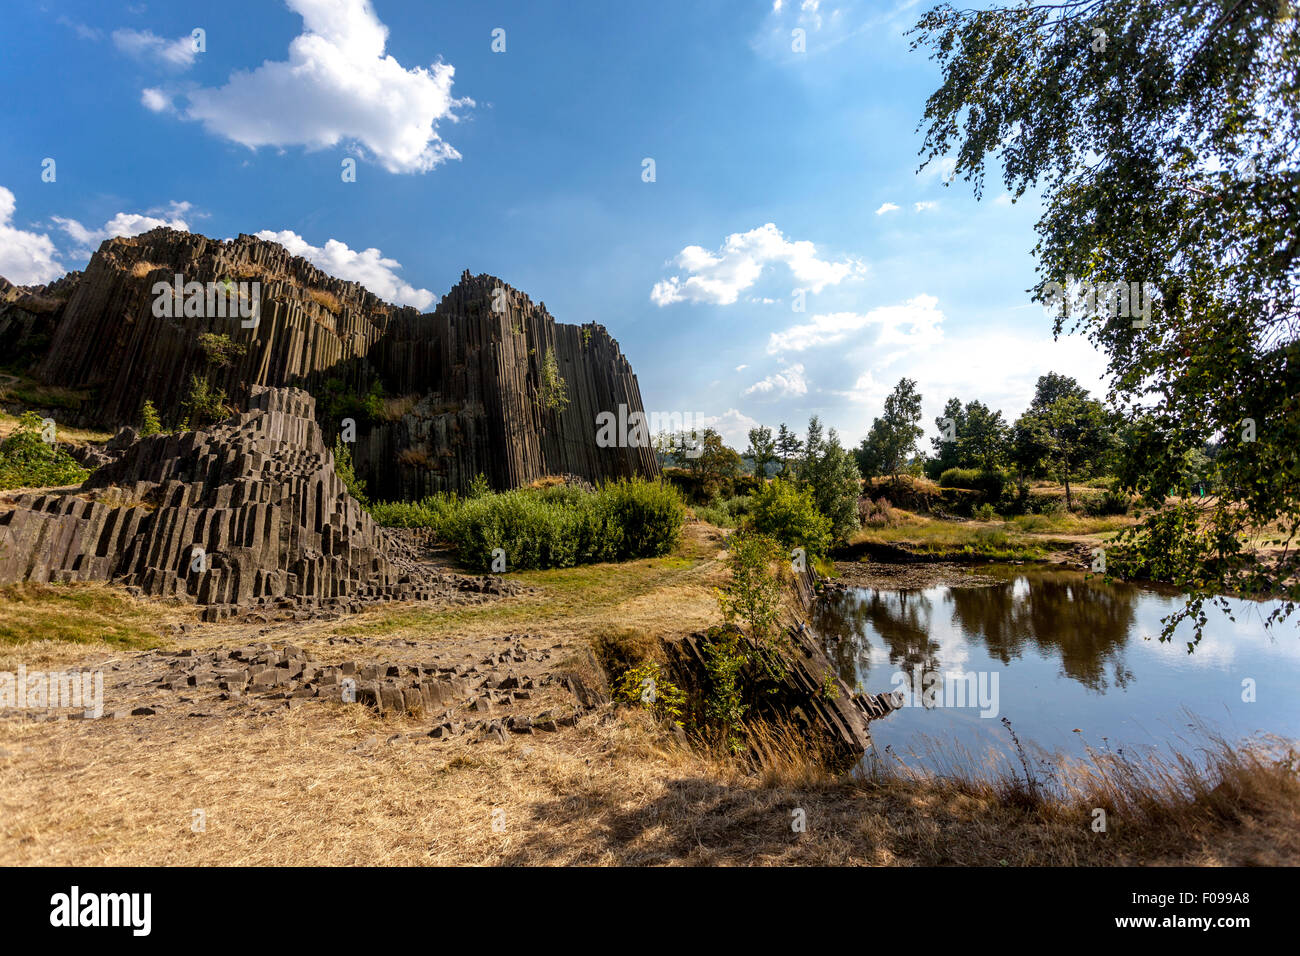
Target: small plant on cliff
(203,404)
(150,423)
(552,392)
(647,685)
(344,468)
(219,350)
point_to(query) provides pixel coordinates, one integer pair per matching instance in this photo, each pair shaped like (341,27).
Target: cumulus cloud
(149,47)
(926,205)
(368,267)
(26,258)
(886,207)
(125,224)
(917,322)
(719,278)
(733,425)
(788,381)
(337,86)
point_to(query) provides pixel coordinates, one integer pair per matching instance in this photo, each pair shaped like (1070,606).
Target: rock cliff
(436,398)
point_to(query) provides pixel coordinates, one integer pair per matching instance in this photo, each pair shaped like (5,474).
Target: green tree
(1160,139)
(891,442)
(787,513)
(835,483)
(1063,437)
(788,447)
(762,449)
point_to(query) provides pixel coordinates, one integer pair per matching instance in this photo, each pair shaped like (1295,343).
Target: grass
(64,433)
(326,300)
(34,395)
(337,785)
(1024,537)
(76,614)
(668,595)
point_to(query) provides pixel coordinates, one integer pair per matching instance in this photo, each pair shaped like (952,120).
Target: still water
(1068,659)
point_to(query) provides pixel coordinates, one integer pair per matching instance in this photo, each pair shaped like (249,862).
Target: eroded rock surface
(246,517)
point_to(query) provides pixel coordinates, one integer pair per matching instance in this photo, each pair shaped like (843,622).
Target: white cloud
(1003,200)
(788,381)
(741,368)
(337,86)
(926,205)
(125,224)
(148,46)
(733,425)
(917,322)
(719,278)
(886,207)
(368,267)
(1000,367)
(26,258)
(156,100)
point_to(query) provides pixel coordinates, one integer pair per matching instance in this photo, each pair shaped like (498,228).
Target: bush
(347,473)
(647,684)
(28,461)
(725,512)
(1105,504)
(555,527)
(877,514)
(430,513)
(150,423)
(990,483)
(788,514)
(985,512)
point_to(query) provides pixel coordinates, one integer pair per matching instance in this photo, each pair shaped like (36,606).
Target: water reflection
(1081,621)
(1077,661)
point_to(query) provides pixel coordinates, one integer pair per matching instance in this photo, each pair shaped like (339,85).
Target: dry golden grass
(398,406)
(327,300)
(329,784)
(143,268)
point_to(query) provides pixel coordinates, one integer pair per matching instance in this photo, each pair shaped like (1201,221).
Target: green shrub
(989,482)
(204,403)
(985,512)
(789,514)
(1104,505)
(556,527)
(646,684)
(430,512)
(150,423)
(347,473)
(28,461)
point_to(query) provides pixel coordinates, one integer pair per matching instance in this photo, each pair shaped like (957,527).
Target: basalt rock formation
(436,398)
(247,516)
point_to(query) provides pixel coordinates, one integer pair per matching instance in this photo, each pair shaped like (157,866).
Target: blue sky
(775,170)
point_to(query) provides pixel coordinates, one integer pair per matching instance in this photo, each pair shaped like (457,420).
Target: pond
(1069,660)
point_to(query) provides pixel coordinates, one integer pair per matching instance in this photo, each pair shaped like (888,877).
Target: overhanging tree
(1163,140)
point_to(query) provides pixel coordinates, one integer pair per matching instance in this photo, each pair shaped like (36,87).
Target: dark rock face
(458,390)
(244,516)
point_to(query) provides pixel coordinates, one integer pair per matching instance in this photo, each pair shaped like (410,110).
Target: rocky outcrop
(436,398)
(246,516)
